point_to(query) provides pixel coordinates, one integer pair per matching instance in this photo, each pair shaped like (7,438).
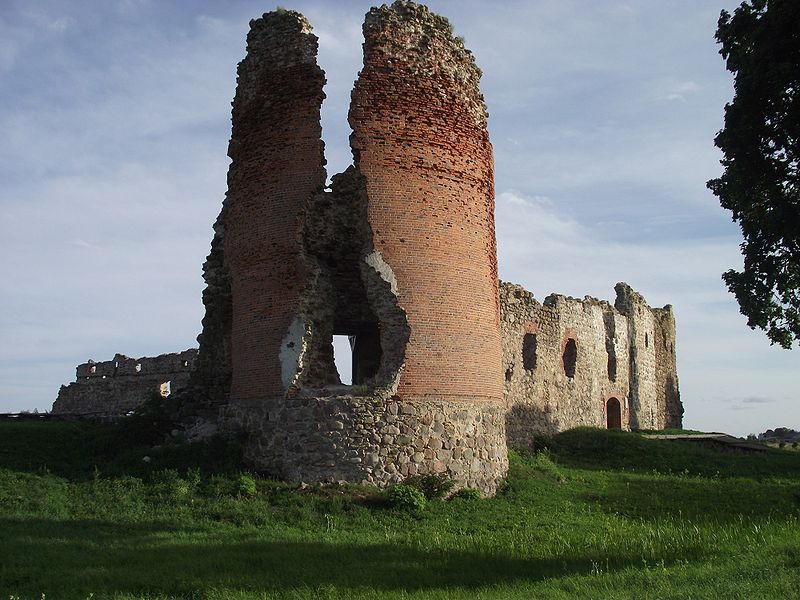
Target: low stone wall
(374,441)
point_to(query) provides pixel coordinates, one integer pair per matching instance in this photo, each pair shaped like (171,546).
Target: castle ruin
(116,387)
(398,253)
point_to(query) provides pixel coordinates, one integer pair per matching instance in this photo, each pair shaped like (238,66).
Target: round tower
(420,141)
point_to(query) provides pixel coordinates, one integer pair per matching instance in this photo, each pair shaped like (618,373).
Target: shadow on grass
(79,558)
(80,450)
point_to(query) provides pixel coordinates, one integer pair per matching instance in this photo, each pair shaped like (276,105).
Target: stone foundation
(374,441)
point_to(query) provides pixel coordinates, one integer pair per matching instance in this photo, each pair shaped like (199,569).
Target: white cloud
(48,21)
(680,90)
(757,400)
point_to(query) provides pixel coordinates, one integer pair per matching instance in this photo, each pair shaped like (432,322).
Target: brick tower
(398,254)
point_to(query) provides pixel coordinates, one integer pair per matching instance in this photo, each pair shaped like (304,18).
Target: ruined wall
(115,387)
(399,255)
(390,254)
(541,396)
(277,167)
(210,378)
(667,392)
(646,411)
(625,351)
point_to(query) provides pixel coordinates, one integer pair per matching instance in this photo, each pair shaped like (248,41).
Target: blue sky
(116,116)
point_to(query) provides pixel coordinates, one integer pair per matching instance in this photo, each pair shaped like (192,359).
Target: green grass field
(598,514)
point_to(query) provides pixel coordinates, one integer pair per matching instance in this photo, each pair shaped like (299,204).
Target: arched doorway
(613,414)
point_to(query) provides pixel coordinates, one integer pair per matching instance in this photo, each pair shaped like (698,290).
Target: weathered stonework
(374,440)
(114,388)
(622,353)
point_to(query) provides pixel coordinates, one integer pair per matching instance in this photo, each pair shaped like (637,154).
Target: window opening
(646,341)
(612,367)
(529,351)
(343,358)
(357,353)
(570,358)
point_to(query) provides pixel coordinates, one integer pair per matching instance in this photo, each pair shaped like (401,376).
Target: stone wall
(115,387)
(623,353)
(375,440)
(667,393)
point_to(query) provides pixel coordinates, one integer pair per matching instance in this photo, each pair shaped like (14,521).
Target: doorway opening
(613,414)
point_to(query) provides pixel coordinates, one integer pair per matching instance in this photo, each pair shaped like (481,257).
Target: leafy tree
(761,147)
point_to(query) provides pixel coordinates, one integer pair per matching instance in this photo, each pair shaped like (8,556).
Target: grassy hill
(594,514)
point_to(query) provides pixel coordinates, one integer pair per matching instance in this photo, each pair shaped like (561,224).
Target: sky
(115,117)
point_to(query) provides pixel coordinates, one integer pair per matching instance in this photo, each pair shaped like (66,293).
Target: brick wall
(277,166)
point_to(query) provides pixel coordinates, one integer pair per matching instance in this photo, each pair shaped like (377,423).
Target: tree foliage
(760,142)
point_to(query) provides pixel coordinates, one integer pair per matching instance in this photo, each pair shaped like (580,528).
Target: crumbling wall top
(511,293)
(628,299)
(122,365)
(422,42)
(280,40)
(267,38)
